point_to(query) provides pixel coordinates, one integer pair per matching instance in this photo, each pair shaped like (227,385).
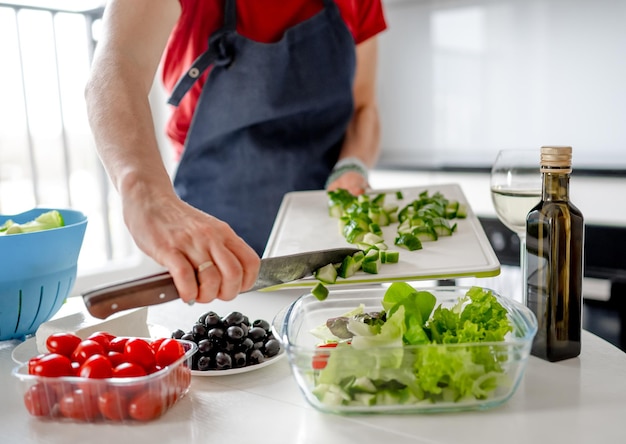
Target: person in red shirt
(267,97)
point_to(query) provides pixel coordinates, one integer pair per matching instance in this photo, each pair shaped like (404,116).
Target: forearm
(123,71)
(121,121)
(362,138)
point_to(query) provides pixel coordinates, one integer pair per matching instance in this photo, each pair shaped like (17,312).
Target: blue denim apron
(271,119)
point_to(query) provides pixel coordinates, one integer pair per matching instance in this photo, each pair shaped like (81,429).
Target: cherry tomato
(113,405)
(53,365)
(138,350)
(79,405)
(32,361)
(62,343)
(40,400)
(85,349)
(320,358)
(96,367)
(157,343)
(117,344)
(128,370)
(146,406)
(102,338)
(169,352)
(116,358)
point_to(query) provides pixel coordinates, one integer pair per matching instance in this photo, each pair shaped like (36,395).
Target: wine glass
(515,190)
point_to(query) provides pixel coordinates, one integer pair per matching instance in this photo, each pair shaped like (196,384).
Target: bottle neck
(555,186)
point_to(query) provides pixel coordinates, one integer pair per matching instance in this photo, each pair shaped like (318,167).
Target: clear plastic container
(78,399)
(402,370)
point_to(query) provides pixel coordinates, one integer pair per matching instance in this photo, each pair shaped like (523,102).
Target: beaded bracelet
(347,164)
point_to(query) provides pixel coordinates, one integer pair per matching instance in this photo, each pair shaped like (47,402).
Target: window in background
(47,155)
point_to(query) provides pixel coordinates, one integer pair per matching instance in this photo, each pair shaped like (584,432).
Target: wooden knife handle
(150,290)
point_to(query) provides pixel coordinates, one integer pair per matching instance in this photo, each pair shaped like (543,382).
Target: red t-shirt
(263,21)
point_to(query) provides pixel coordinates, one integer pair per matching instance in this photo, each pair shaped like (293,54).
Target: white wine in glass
(515,190)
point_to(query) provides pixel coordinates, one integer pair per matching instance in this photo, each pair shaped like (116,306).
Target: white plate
(234,371)
(27,349)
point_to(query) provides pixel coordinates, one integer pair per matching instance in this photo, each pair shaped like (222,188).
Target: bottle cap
(556,159)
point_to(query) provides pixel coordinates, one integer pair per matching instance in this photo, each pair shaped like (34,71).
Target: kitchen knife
(158,288)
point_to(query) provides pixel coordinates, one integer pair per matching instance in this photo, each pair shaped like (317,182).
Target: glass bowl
(401,378)
(130,399)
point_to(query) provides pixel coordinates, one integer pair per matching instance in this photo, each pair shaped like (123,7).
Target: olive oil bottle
(554,246)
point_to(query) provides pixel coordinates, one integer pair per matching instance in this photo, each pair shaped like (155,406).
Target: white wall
(460,79)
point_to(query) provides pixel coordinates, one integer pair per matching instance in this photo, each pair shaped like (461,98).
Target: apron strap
(218,54)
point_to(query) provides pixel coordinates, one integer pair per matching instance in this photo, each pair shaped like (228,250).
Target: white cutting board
(303,224)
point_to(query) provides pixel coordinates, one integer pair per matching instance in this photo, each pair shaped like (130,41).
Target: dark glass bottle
(554,246)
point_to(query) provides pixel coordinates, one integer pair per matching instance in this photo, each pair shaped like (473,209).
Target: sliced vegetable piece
(320,291)
(408,241)
(327,274)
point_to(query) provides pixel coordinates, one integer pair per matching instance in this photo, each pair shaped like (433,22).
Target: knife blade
(159,288)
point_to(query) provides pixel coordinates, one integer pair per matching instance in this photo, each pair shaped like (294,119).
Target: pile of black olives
(231,341)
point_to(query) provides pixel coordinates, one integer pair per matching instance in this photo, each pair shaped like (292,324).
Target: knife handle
(150,290)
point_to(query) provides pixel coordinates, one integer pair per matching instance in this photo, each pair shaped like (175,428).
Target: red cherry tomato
(102,338)
(320,358)
(85,349)
(157,343)
(113,405)
(116,358)
(117,344)
(79,405)
(138,350)
(128,370)
(96,367)
(62,343)
(32,361)
(146,406)
(40,400)
(53,365)
(169,352)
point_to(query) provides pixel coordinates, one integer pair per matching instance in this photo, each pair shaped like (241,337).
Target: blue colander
(37,271)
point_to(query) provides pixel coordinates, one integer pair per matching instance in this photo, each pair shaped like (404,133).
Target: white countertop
(580,400)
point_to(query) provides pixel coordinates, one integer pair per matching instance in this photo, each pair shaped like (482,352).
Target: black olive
(239,359)
(257,334)
(245,345)
(212,320)
(234,333)
(206,346)
(223,361)
(199,331)
(187,337)
(204,363)
(262,323)
(215,334)
(178,334)
(230,341)
(256,357)
(272,347)
(233,318)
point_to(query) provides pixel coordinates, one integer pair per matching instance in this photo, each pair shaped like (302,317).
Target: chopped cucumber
(327,274)
(349,267)
(371,267)
(371,256)
(408,241)
(392,257)
(372,239)
(320,291)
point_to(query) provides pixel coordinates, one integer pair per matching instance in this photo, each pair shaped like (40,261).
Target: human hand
(205,257)
(351,181)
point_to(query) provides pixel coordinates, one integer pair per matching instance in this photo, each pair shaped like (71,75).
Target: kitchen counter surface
(580,400)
